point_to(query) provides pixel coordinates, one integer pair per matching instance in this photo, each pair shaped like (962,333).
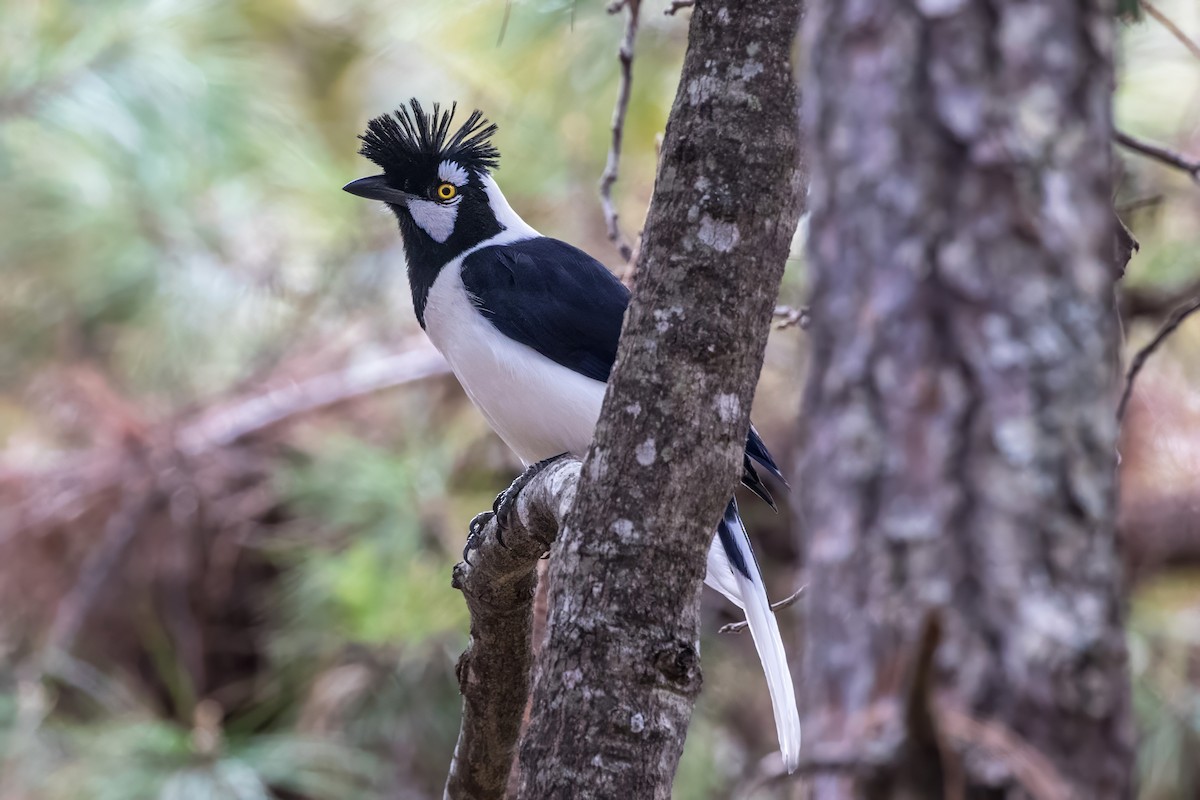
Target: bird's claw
(506,501)
(475,533)
(504,506)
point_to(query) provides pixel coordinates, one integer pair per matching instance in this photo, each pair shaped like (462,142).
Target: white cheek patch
(452,173)
(436,219)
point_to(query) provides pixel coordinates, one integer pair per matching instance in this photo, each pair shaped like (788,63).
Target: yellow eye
(446,191)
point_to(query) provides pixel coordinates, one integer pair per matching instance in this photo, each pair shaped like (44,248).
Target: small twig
(738,627)
(1161,154)
(789,316)
(678,4)
(504,23)
(1166,22)
(227,425)
(1174,321)
(612,166)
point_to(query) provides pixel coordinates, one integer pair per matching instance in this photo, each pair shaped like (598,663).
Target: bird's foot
(475,533)
(506,501)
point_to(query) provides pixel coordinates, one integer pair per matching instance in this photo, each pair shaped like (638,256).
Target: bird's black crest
(411,138)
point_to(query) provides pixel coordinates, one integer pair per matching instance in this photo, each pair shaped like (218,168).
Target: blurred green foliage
(172,220)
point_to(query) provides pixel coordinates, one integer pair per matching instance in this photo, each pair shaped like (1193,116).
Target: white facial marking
(453,173)
(436,219)
(503,211)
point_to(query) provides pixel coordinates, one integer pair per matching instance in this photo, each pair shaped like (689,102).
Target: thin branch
(612,166)
(504,22)
(1160,153)
(678,4)
(1166,22)
(255,414)
(494,671)
(738,627)
(1174,321)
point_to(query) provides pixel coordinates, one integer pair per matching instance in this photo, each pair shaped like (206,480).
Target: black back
(552,297)
(564,304)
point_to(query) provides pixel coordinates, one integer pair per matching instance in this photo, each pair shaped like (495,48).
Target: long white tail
(733,572)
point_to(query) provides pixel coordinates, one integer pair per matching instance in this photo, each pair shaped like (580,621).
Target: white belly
(539,408)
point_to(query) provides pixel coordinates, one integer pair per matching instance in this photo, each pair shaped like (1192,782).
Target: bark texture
(498,582)
(959,425)
(615,685)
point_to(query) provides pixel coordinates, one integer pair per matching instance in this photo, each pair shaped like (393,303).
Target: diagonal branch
(1160,153)
(1174,321)
(1174,29)
(612,166)
(247,416)
(494,671)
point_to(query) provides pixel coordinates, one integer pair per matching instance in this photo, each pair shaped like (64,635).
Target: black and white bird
(529,325)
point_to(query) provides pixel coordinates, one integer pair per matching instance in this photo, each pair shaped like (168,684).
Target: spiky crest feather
(410,138)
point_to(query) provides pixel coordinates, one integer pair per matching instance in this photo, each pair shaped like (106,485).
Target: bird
(529,326)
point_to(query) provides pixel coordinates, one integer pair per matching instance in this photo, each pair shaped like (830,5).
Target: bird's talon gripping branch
(506,501)
(475,532)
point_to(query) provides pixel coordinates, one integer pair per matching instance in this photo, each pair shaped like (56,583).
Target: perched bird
(529,325)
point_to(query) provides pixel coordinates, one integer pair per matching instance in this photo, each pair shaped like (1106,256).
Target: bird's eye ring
(446,191)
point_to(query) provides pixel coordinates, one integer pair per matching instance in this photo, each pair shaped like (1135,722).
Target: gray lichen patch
(719,235)
(646,452)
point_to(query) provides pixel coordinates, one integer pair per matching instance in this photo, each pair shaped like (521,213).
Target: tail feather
(733,571)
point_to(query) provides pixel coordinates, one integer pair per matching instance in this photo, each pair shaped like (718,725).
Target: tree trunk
(959,416)
(616,682)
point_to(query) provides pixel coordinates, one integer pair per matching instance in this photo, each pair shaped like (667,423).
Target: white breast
(539,408)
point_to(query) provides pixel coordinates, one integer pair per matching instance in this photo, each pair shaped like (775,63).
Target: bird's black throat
(426,257)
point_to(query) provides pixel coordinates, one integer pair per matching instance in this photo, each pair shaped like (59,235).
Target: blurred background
(233,475)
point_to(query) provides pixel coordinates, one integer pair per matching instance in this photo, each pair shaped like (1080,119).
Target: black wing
(566,305)
(552,297)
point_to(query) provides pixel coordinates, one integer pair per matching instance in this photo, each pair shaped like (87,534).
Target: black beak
(376,188)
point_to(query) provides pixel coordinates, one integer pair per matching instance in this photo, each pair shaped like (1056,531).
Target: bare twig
(1166,22)
(789,316)
(1174,321)
(494,670)
(612,166)
(678,4)
(1160,153)
(738,627)
(259,412)
(504,22)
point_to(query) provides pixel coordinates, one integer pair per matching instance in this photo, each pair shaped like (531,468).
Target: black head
(434,181)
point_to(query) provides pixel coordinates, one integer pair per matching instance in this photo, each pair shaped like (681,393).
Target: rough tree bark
(959,426)
(494,671)
(616,682)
